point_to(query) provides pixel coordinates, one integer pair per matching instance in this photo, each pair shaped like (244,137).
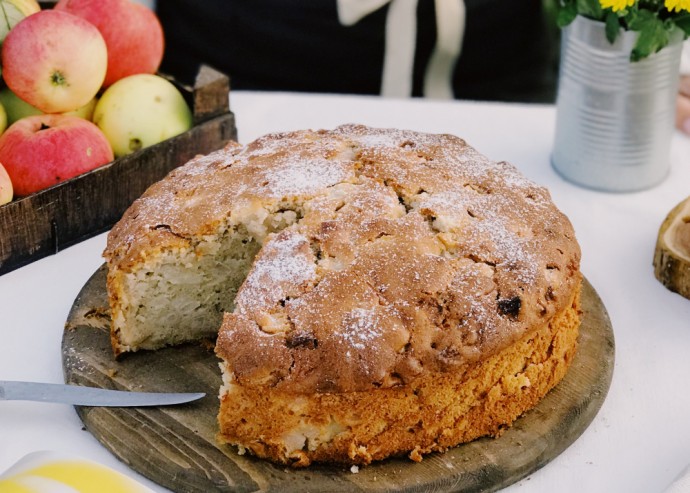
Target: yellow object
(616,5)
(139,111)
(677,5)
(10,486)
(47,472)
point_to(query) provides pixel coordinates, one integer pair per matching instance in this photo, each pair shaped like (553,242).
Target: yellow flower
(677,5)
(617,5)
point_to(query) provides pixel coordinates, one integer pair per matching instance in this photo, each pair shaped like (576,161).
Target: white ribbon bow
(401,40)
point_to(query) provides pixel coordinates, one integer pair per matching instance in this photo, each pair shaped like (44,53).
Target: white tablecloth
(639,441)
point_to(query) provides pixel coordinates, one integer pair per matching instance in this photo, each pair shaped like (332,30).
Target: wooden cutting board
(176,447)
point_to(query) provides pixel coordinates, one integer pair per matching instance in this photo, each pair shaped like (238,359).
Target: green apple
(139,111)
(13,11)
(10,15)
(26,7)
(17,108)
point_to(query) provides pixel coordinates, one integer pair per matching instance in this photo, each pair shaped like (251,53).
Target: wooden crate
(46,222)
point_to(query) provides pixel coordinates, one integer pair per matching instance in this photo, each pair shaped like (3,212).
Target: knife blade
(89,396)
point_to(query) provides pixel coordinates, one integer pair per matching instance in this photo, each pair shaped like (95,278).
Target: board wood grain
(176,447)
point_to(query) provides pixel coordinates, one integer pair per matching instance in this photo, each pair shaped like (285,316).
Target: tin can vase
(614,117)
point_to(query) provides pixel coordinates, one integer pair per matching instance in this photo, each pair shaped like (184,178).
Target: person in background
(471,49)
(466,49)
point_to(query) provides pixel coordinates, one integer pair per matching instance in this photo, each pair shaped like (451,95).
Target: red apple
(43,150)
(5,186)
(132,32)
(54,61)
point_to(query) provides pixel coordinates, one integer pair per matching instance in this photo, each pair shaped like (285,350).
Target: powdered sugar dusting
(286,262)
(380,140)
(360,328)
(490,224)
(514,253)
(511,177)
(448,202)
(202,164)
(304,176)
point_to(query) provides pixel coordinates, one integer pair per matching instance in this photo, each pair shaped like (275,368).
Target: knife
(89,396)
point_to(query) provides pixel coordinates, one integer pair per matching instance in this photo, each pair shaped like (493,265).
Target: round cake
(374,292)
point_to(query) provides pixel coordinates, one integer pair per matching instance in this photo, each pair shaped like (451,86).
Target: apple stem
(44,126)
(57,78)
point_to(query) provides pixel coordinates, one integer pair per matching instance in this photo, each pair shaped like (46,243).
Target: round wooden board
(175,446)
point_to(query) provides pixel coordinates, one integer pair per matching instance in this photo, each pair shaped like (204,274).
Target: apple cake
(374,292)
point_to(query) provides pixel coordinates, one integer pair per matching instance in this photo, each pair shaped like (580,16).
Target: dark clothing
(299,45)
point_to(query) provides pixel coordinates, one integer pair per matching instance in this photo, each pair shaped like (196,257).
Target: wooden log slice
(672,253)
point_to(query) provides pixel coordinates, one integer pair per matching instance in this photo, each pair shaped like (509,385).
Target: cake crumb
(416,454)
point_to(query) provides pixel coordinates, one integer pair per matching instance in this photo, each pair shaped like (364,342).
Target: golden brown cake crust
(411,253)
(415,254)
(434,412)
(408,293)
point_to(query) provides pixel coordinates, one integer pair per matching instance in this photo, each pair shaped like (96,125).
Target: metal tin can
(614,117)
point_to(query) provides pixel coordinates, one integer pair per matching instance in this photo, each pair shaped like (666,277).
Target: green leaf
(9,17)
(638,19)
(613,26)
(653,37)
(566,15)
(590,8)
(683,22)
